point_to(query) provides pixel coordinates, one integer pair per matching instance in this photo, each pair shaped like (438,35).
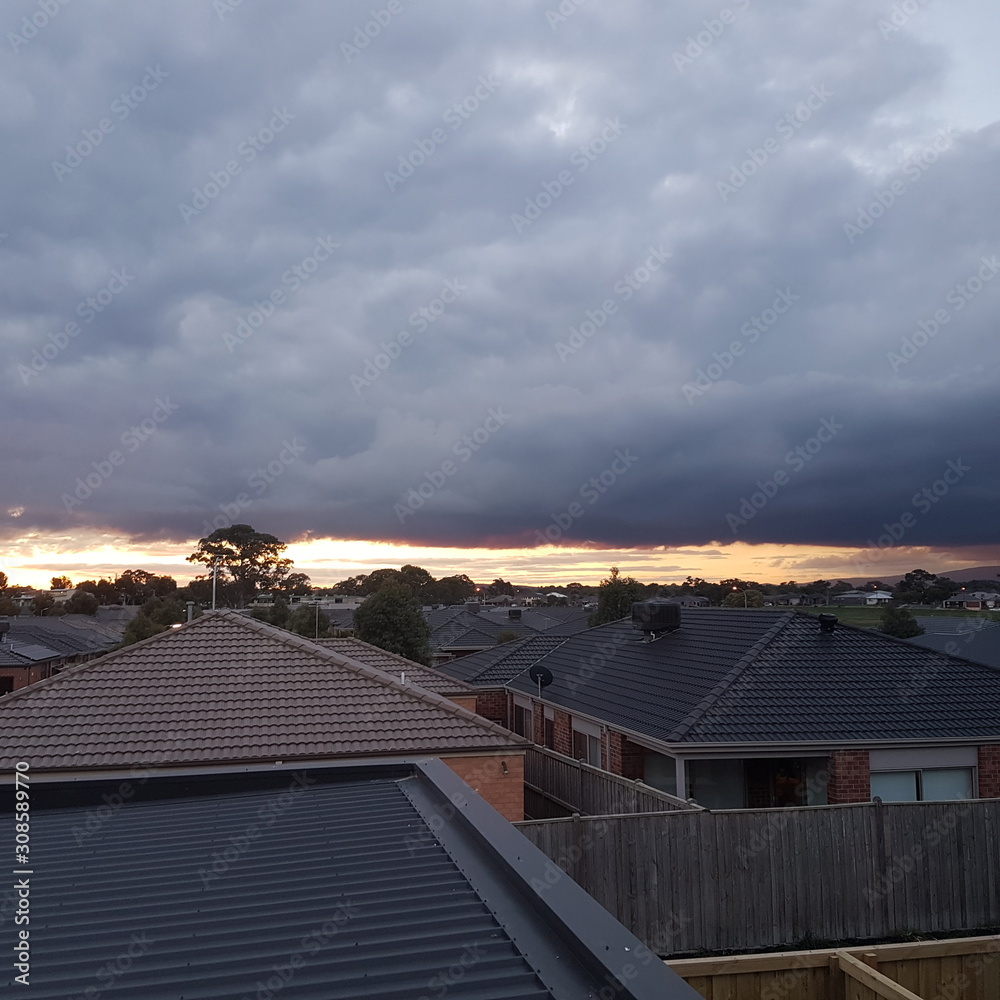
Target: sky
(526,289)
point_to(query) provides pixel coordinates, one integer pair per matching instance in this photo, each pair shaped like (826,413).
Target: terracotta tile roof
(397,666)
(226,688)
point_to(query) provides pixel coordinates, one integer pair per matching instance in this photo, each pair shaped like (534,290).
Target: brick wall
(989,771)
(23,676)
(850,777)
(563,733)
(505,792)
(467,701)
(492,705)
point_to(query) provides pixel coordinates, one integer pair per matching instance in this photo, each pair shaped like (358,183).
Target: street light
(744,593)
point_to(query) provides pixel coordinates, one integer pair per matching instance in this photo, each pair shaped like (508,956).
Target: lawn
(865,617)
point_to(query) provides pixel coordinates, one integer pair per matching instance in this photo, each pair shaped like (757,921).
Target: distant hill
(958,575)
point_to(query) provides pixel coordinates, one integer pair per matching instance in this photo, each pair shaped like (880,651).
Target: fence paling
(590,790)
(757,879)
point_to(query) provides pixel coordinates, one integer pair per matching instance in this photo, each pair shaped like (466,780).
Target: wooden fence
(557,785)
(750,880)
(960,969)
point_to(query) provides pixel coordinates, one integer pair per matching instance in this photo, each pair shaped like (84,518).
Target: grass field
(865,617)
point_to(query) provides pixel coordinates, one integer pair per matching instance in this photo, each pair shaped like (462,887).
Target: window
(549,736)
(6,685)
(524,721)
(927,784)
(587,748)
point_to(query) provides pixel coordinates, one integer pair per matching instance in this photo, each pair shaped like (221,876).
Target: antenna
(542,676)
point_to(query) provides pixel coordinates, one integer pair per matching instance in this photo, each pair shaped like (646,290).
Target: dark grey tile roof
(736,676)
(501,663)
(971,638)
(229,688)
(398,666)
(67,637)
(312,886)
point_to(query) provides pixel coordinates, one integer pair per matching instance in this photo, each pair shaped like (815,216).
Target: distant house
(862,597)
(759,708)
(797,600)
(226,691)
(973,600)
(35,647)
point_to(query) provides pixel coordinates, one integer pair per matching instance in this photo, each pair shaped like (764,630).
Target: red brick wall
(989,771)
(492,705)
(563,733)
(467,701)
(850,777)
(505,792)
(23,676)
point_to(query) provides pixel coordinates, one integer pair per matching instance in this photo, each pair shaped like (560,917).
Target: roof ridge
(396,656)
(688,722)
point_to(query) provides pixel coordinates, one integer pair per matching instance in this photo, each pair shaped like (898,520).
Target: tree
(42,604)
(615,597)
(3,581)
(308,621)
(9,608)
(82,603)
(743,599)
(104,590)
(453,590)
(500,587)
(506,635)
(248,561)
(297,584)
(61,583)
(899,623)
(155,616)
(277,614)
(392,620)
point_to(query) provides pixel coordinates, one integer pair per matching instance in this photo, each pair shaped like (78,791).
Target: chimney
(827,623)
(190,607)
(4,629)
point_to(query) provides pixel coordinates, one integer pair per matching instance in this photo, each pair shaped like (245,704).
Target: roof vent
(472,607)
(827,623)
(514,614)
(656,616)
(4,629)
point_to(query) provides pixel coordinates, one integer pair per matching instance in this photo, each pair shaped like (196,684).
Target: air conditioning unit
(656,616)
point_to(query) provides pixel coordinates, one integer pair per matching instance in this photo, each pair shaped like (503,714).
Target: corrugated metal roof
(228,688)
(307,887)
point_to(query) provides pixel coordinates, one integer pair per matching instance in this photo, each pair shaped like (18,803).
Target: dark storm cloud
(488,275)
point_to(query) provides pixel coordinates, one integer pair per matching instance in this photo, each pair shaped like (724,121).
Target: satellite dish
(542,676)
